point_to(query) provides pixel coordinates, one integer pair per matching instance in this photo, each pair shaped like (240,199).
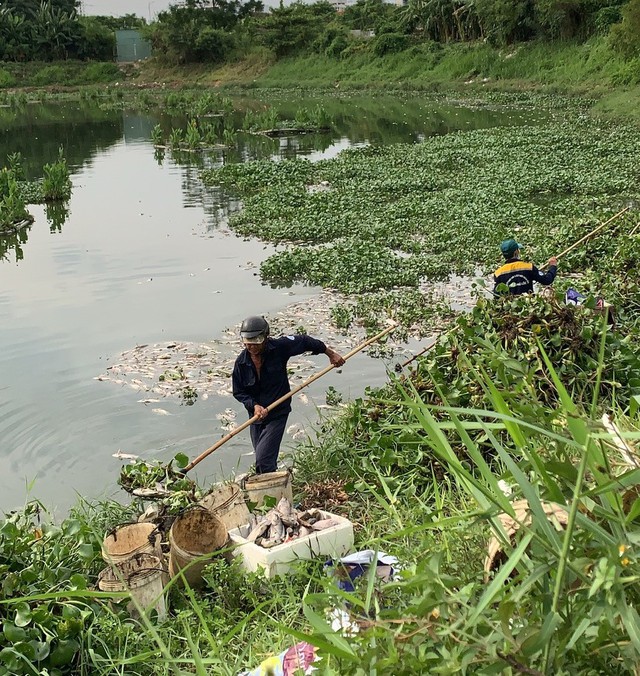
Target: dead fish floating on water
(124,456)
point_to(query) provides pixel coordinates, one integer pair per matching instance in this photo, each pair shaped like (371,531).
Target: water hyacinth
(437,207)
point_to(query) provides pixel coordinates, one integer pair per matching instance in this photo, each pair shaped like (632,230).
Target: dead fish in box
(277,530)
(287,513)
(259,530)
(310,517)
(323,524)
(304,531)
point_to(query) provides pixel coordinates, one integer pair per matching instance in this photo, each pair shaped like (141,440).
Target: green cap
(509,247)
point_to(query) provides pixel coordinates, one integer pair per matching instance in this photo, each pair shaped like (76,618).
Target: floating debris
(296,431)
(227,419)
(124,456)
(169,369)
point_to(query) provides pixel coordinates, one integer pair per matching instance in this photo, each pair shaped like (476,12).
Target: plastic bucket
(194,534)
(227,503)
(131,539)
(142,576)
(275,484)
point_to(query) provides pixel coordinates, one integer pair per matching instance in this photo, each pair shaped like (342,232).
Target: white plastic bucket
(142,576)
(274,484)
(132,538)
(227,503)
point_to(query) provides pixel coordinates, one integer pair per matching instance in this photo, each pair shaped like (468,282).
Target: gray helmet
(254,330)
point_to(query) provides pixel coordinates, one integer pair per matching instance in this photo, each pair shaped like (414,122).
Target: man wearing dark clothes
(260,378)
(518,275)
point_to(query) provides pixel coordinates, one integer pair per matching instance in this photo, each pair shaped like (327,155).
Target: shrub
(48,75)
(6,79)
(390,43)
(335,49)
(56,184)
(354,49)
(12,205)
(605,18)
(213,44)
(101,72)
(628,74)
(97,41)
(624,35)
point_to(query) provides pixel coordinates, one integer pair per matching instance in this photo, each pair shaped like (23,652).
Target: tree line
(206,31)
(47,30)
(201,31)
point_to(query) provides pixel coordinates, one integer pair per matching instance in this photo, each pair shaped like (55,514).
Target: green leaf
(63,653)
(181,460)
(12,633)
(12,660)
(539,639)
(634,512)
(72,527)
(23,615)
(25,649)
(77,580)
(85,551)
(269,501)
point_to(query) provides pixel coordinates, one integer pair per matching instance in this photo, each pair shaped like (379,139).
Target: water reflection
(56,213)
(37,131)
(84,129)
(11,245)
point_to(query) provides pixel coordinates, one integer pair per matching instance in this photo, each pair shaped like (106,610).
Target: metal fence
(131,46)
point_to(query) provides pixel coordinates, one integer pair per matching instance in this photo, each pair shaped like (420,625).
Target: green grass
(59,74)
(568,67)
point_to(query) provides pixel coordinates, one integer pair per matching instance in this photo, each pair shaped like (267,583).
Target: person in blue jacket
(260,378)
(519,275)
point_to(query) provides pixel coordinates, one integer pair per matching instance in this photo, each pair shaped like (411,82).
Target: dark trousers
(266,438)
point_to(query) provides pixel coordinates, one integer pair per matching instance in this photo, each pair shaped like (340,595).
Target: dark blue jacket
(519,276)
(273,382)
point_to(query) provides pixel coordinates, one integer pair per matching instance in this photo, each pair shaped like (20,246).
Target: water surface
(142,254)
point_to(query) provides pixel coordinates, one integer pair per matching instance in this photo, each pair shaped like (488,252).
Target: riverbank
(590,69)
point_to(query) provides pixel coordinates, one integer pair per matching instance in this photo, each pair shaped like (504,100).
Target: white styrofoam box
(332,542)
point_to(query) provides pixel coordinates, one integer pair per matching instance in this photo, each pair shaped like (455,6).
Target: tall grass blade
(494,589)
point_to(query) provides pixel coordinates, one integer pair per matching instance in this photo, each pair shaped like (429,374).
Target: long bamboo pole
(590,234)
(399,366)
(283,398)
